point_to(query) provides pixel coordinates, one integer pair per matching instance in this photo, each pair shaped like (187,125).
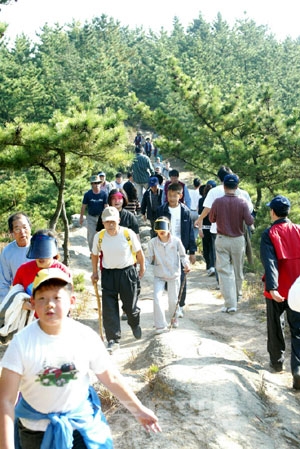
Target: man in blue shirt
(94,200)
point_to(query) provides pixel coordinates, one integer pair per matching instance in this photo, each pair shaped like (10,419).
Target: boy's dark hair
(119,175)
(15,217)
(197,182)
(176,187)
(223,171)
(174,172)
(55,283)
(129,174)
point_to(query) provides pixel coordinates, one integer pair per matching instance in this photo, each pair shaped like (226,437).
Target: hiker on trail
(174,179)
(148,147)
(195,197)
(166,170)
(16,310)
(230,212)
(142,169)
(94,200)
(133,203)
(152,200)
(105,185)
(167,254)
(14,254)
(212,195)
(44,250)
(158,164)
(181,227)
(207,241)
(118,182)
(49,364)
(120,249)
(118,199)
(280,256)
(138,140)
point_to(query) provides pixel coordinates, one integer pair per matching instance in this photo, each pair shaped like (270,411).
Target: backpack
(126,235)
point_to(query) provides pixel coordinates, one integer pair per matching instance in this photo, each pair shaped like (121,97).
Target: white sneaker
(224,309)
(211,271)
(161,330)
(174,322)
(180,312)
(231,309)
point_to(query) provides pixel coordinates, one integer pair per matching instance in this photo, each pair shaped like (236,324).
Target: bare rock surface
(213,387)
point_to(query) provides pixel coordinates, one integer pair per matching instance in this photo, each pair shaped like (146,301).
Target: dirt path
(213,388)
(208,381)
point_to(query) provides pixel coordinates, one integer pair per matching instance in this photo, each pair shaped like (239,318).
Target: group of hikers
(44,383)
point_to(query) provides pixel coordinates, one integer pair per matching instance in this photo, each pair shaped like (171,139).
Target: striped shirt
(142,169)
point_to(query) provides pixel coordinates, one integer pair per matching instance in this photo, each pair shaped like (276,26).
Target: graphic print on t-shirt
(58,376)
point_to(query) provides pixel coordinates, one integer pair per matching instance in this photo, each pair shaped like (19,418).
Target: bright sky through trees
(28,16)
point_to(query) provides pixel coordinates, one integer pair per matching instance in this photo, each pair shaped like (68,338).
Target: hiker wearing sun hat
(94,201)
(280,255)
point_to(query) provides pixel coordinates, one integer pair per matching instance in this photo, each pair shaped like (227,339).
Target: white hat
(110,213)
(294,296)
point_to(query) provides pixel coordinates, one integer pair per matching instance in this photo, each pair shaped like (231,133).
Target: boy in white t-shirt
(49,363)
(167,253)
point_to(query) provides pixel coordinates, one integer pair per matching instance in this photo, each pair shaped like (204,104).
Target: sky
(29,16)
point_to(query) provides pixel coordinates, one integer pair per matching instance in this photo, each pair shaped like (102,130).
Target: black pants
(208,249)
(124,282)
(32,439)
(276,342)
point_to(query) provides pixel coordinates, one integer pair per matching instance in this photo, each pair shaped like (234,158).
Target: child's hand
(147,419)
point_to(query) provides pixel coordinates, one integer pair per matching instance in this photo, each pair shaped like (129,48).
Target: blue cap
(231,181)
(280,204)
(42,247)
(212,183)
(153,181)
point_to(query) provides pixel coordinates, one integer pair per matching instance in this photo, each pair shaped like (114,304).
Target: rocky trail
(208,381)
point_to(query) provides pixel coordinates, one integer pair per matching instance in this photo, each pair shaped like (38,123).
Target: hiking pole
(178,300)
(99,302)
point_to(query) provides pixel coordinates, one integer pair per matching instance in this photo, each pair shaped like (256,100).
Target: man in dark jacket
(280,255)
(181,226)
(152,200)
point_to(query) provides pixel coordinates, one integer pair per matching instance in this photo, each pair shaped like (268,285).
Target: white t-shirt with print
(55,369)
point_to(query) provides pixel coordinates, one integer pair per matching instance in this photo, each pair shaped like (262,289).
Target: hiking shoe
(137,332)
(124,317)
(231,309)
(174,322)
(180,312)
(211,271)
(277,367)
(161,330)
(112,345)
(224,309)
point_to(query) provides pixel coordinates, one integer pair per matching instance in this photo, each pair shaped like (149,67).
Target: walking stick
(178,300)
(99,302)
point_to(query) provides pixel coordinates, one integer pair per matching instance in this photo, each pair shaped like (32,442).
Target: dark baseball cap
(231,181)
(280,204)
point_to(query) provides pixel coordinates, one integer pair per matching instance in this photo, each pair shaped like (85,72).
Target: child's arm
(113,380)
(9,386)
